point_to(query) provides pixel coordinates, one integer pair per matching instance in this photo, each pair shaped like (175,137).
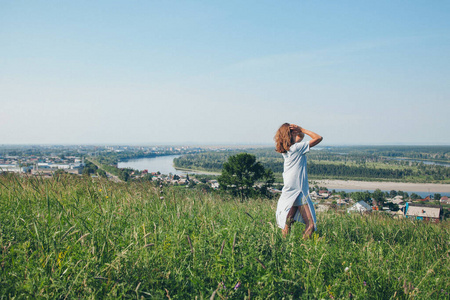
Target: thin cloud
(334,55)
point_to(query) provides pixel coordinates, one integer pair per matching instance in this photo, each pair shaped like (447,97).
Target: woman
(295,203)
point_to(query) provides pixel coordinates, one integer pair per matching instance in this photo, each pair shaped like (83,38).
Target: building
(397,214)
(214,184)
(361,207)
(444,200)
(13,168)
(324,194)
(47,166)
(423,212)
(426,199)
(396,200)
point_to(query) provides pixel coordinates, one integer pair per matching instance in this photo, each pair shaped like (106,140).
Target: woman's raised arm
(316,139)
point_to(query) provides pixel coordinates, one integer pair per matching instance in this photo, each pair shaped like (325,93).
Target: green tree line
(329,164)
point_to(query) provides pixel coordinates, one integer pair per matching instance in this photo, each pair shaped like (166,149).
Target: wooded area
(396,163)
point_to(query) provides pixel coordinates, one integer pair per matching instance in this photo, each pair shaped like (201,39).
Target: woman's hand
(300,132)
(295,128)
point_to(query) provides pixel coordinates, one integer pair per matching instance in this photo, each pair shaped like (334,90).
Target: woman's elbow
(315,141)
(320,139)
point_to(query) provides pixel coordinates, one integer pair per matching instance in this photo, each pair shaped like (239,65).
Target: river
(163,164)
(425,162)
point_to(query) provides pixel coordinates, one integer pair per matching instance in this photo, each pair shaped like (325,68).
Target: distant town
(45,160)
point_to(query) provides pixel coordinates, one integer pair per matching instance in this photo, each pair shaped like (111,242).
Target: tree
(125,174)
(378,196)
(437,196)
(241,172)
(147,177)
(403,194)
(204,187)
(89,168)
(102,173)
(343,194)
(192,183)
(414,196)
(361,196)
(393,207)
(392,193)
(446,214)
(268,179)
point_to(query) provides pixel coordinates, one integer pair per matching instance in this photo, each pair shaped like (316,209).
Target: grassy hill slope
(72,237)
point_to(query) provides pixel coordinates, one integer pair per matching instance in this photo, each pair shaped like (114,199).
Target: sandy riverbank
(384,186)
(200,172)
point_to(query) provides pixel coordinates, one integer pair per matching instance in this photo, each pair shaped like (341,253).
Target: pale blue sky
(221,72)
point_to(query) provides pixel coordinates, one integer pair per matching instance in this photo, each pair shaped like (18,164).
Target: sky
(224,72)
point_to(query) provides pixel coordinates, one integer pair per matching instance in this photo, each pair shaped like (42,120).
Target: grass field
(74,237)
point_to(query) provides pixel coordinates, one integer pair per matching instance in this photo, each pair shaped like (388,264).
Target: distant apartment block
(14,168)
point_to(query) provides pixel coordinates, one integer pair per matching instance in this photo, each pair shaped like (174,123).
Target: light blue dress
(296,187)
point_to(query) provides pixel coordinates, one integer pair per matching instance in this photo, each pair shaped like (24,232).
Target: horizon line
(190,144)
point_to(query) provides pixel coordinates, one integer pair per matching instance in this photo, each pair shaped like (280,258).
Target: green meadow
(76,237)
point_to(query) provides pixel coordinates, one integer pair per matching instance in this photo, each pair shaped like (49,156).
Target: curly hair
(283,138)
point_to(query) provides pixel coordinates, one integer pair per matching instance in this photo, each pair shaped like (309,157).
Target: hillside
(76,237)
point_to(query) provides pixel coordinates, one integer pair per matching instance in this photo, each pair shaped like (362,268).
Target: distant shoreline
(362,185)
(196,171)
(384,186)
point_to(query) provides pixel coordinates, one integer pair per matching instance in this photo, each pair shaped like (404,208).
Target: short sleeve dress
(296,188)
